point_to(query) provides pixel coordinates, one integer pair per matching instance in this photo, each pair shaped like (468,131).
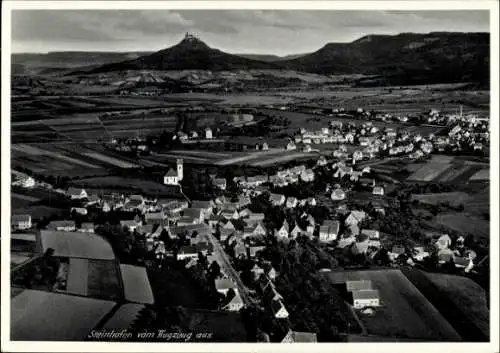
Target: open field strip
(173,155)
(428,172)
(250,156)
(483,174)
(114,161)
(453,173)
(35,151)
(454,198)
(282,159)
(204,153)
(24,197)
(464,223)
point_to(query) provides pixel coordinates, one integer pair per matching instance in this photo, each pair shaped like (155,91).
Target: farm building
(235,304)
(443,242)
(365,298)
(277,199)
(21,221)
(329,231)
(355,217)
(67,226)
(296,336)
(338,195)
(187,252)
(86,227)
(278,309)
(220,183)
(378,190)
(76,194)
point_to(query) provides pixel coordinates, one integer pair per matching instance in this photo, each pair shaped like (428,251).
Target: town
(336,208)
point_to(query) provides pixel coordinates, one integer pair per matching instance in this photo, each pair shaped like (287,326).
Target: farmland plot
(111,160)
(404,311)
(464,223)
(428,172)
(483,174)
(454,198)
(454,172)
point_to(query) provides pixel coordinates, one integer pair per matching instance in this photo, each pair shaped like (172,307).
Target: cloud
(274,31)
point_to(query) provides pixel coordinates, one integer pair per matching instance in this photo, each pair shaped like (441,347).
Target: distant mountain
(71,59)
(189,54)
(404,58)
(270,58)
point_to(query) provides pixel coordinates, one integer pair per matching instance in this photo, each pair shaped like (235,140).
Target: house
(360,247)
(78,210)
(329,231)
(291,202)
(208,133)
(256,230)
(228,214)
(265,146)
(322,161)
(21,221)
(171,178)
(338,194)
(240,250)
(311,201)
(396,251)
(307,175)
(299,337)
(225,234)
(206,207)
(86,227)
(443,242)
(221,183)
(355,217)
(445,255)
(187,252)
(133,204)
(291,146)
(271,274)
(254,250)
(278,309)
(296,231)
(235,304)
(67,226)
(194,215)
(370,234)
(257,271)
(367,182)
(255,217)
(155,217)
(378,190)
(346,240)
(283,231)
(464,262)
(130,224)
(365,298)
(277,199)
(306,148)
(93,200)
(228,225)
(76,194)
(419,253)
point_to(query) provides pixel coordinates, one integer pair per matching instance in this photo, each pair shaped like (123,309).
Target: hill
(407,58)
(270,58)
(189,54)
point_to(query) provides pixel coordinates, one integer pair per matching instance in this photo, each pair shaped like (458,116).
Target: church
(174,177)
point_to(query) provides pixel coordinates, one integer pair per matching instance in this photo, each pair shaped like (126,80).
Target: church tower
(180,169)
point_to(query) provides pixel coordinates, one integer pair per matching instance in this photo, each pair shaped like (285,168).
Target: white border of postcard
(10,346)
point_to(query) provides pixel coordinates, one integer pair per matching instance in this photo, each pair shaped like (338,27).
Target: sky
(279,32)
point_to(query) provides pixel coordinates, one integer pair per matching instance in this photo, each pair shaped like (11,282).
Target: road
(231,272)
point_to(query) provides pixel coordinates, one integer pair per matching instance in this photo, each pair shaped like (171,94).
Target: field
(113,161)
(428,172)
(404,313)
(483,174)
(464,223)
(459,299)
(454,198)
(117,183)
(448,169)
